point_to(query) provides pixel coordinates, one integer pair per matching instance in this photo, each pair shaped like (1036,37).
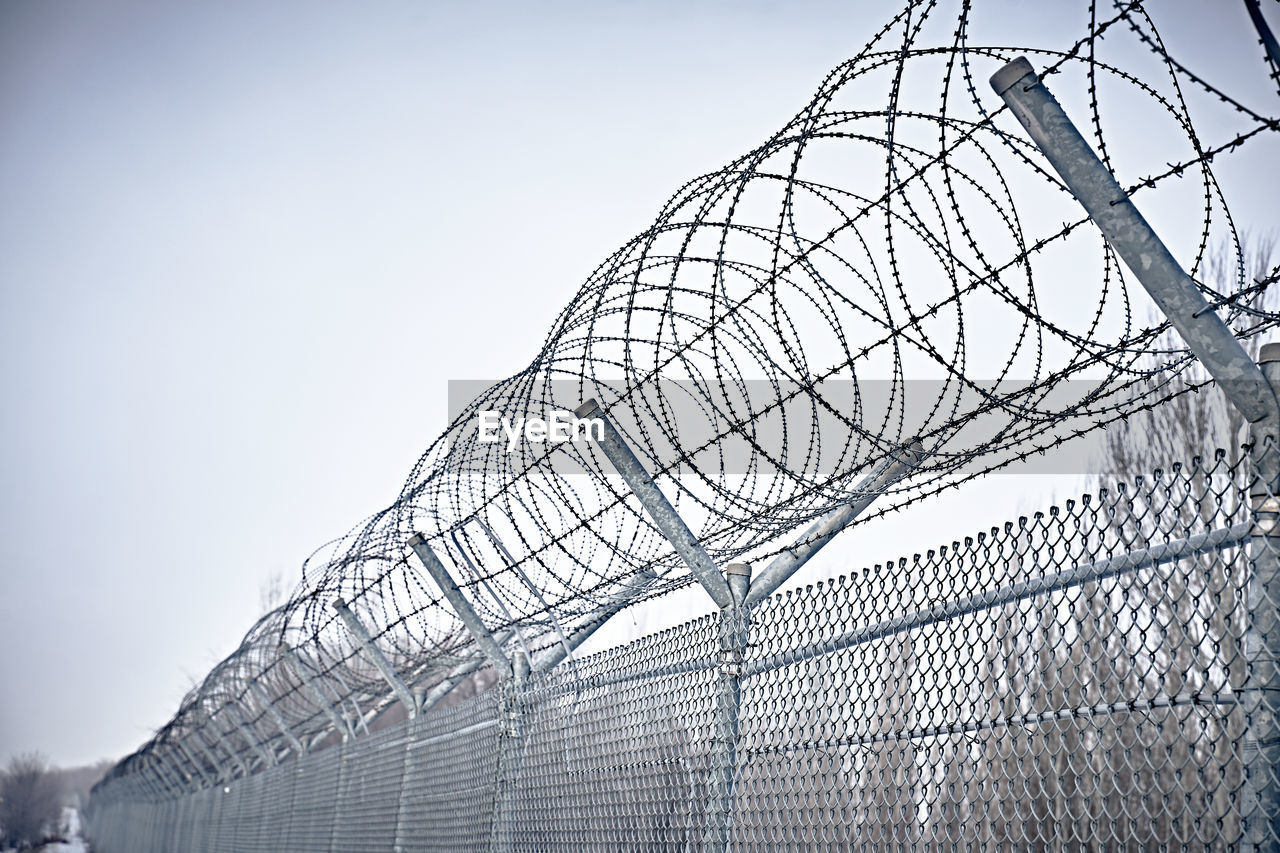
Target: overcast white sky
(244,245)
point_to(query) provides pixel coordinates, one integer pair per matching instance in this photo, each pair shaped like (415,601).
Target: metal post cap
(338,604)
(1010,74)
(1270,353)
(586,408)
(743,569)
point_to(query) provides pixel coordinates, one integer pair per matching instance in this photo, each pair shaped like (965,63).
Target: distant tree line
(33,794)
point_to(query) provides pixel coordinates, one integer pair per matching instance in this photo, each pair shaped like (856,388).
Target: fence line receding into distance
(1100,675)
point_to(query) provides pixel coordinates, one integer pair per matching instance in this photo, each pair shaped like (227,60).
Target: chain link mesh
(1100,675)
(1086,677)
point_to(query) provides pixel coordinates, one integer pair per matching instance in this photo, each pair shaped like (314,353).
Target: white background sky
(244,245)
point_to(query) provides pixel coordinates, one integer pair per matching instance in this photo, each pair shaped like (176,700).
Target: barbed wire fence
(786,353)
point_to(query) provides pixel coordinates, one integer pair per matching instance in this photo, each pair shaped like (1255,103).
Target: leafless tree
(1032,787)
(76,782)
(1196,423)
(1198,611)
(271,592)
(30,800)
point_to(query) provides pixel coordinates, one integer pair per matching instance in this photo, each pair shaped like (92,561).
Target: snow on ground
(71,832)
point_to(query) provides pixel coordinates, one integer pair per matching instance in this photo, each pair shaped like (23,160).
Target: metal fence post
(626,593)
(191,759)
(340,723)
(337,800)
(150,780)
(1133,239)
(461,606)
(729,594)
(893,468)
(227,747)
(171,784)
(1231,367)
(268,758)
(510,753)
(457,675)
(1262,641)
(173,761)
(514,673)
(375,654)
(400,840)
(735,626)
(659,509)
(262,697)
(173,779)
(223,775)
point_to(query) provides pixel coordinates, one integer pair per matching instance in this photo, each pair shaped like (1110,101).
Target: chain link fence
(1098,676)
(1084,678)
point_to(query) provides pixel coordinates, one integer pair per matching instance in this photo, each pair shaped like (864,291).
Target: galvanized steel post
(375,654)
(892,469)
(513,674)
(457,675)
(1217,348)
(290,657)
(735,626)
(628,592)
(171,761)
(154,782)
(1133,239)
(659,509)
(730,595)
(268,758)
(160,784)
(474,624)
(231,753)
(198,765)
(1262,640)
(276,716)
(223,775)
(510,753)
(172,786)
